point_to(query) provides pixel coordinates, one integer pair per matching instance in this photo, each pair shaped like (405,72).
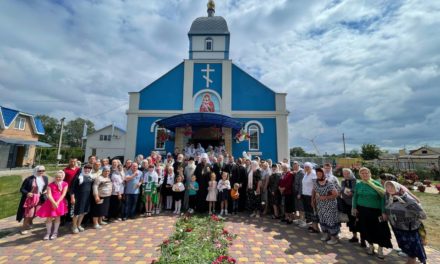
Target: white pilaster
(282,128)
(227,87)
(132,126)
(188,75)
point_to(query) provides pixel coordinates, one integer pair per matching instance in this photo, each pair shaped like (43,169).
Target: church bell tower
(209,36)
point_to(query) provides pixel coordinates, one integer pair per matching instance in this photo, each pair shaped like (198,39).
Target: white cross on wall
(206,77)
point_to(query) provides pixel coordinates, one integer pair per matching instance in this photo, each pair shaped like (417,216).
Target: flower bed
(197,239)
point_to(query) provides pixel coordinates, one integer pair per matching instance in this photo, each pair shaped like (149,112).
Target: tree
(74,131)
(370,151)
(354,153)
(300,152)
(51,128)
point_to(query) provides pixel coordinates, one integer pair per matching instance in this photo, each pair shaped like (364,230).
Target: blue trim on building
(258,96)
(8,115)
(199,82)
(268,139)
(145,138)
(39,126)
(170,84)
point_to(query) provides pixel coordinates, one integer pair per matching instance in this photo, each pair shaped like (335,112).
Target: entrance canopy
(199,120)
(24,142)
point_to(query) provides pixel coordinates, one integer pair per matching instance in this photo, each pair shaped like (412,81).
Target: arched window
(254,137)
(208,44)
(159,142)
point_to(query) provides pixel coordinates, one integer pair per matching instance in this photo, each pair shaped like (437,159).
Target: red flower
(166,241)
(225,232)
(188,229)
(214,217)
(221,259)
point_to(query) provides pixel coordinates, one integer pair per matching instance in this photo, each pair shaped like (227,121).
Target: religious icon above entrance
(207,102)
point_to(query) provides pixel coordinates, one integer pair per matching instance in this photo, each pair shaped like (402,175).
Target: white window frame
(209,40)
(254,127)
(156,129)
(20,123)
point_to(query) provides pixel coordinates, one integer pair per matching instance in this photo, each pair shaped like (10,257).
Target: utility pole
(61,139)
(343,141)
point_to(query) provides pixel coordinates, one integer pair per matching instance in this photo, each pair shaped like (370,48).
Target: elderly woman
(33,194)
(306,197)
(405,213)
(80,197)
(117,176)
(273,191)
(347,189)
(286,190)
(254,189)
(102,190)
(324,200)
(368,206)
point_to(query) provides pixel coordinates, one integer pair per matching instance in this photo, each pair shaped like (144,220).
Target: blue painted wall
(199,82)
(166,93)
(268,139)
(248,94)
(145,138)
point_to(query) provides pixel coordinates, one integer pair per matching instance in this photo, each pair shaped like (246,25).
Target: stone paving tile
(261,240)
(132,241)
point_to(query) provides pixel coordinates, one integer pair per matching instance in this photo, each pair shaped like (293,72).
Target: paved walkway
(259,240)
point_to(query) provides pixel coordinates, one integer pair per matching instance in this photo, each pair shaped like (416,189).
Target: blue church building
(207,99)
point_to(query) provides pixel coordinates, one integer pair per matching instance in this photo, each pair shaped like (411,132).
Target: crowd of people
(104,191)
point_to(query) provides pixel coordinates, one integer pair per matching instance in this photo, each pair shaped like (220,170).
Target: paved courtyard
(137,241)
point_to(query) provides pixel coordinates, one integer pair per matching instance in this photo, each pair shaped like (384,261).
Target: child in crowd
(167,189)
(223,187)
(150,190)
(178,191)
(55,206)
(212,193)
(160,175)
(193,187)
(235,195)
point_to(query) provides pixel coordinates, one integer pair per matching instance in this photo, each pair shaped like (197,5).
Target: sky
(369,69)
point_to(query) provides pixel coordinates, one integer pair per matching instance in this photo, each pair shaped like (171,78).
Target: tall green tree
(300,152)
(52,129)
(74,131)
(370,151)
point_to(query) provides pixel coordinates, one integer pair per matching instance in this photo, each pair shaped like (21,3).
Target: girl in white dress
(212,193)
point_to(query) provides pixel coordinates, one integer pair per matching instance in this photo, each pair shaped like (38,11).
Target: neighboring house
(422,158)
(208,99)
(19,133)
(109,141)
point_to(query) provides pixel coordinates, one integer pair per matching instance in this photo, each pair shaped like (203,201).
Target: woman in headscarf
(254,189)
(324,198)
(33,194)
(405,213)
(368,206)
(80,197)
(347,189)
(306,196)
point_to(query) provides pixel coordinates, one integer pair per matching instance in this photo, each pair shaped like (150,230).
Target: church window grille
(254,137)
(159,143)
(208,44)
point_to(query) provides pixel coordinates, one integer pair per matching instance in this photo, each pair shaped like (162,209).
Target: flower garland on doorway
(241,136)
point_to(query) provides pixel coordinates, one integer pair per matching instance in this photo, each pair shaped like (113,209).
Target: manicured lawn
(9,195)
(430,203)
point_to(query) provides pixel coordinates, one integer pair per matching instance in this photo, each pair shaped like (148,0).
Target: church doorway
(207,136)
